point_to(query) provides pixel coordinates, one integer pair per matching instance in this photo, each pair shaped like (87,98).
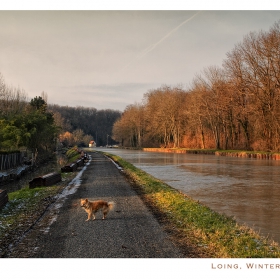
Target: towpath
(130,230)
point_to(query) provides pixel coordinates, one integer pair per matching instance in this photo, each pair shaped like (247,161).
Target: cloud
(101,96)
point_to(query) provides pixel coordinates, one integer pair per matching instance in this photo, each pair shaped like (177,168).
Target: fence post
(12,160)
(1,162)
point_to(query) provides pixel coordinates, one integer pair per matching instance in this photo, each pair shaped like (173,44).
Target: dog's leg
(89,215)
(105,211)
(93,216)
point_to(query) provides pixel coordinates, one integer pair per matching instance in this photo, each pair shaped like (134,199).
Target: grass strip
(24,208)
(214,234)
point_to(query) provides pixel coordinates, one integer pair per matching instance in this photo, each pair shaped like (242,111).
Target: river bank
(24,209)
(228,153)
(26,206)
(196,226)
(212,234)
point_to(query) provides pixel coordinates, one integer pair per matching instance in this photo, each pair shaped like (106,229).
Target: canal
(247,189)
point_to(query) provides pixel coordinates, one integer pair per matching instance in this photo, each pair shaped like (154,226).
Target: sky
(108,59)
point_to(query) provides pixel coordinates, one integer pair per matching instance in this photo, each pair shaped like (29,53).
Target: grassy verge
(231,153)
(73,154)
(212,234)
(24,208)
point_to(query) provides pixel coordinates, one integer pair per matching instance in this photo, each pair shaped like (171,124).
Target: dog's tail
(111,205)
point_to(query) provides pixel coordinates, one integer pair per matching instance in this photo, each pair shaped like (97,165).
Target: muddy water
(247,189)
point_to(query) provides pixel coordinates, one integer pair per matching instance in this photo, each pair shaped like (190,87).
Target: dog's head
(84,202)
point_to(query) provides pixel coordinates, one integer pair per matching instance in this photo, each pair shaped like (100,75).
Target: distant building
(92,144)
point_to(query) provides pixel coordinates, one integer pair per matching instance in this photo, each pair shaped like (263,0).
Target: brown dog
(91,207)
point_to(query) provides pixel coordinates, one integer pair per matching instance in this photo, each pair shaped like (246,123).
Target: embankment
(196,226)
(242,154)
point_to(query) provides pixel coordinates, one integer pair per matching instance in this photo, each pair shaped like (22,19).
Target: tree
(129,129)
(38,103)
(10,136)
(95,123)
(166,119)
(12,100)
(40,129)
(254,69)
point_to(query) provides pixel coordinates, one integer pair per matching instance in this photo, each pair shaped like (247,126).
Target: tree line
(235,106)
(79,125)
(39,127)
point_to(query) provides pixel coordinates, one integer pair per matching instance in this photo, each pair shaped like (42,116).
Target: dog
(91,207)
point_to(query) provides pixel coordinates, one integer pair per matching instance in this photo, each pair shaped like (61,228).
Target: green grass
(22,211)
(23,202)
(216,235)
(73,154)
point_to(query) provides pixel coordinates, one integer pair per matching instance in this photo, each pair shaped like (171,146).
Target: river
(247,189)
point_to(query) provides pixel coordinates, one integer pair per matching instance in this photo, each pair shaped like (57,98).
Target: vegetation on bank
(73,154)
(212,234)
(24,208)
(231,153)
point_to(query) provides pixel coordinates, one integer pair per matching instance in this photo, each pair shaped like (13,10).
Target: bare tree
(164,113)
(12,100)
(254,69)
(129,129)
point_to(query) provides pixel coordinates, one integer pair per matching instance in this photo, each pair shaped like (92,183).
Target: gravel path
(130,230)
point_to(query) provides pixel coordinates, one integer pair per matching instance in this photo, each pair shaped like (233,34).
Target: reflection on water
(247,189)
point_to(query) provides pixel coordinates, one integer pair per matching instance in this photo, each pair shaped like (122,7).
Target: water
(247,189)
(44,168)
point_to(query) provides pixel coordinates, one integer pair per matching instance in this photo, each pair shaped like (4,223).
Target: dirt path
(130,230)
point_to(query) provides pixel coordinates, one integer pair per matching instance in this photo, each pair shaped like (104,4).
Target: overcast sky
(109,59)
